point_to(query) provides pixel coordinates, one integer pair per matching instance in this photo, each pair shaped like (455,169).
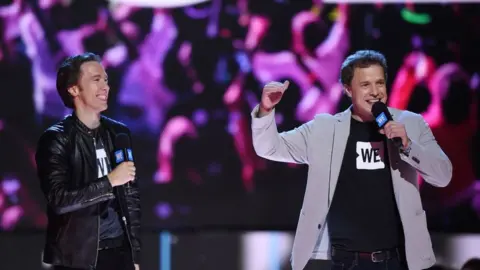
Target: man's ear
(74,90)
(348,90)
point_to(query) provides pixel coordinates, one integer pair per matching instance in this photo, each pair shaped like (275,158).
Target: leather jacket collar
(83,128)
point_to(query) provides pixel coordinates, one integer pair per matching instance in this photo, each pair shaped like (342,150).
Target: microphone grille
(122,141)
(378,108)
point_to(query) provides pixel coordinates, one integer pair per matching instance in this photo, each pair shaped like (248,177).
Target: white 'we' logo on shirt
(370,155)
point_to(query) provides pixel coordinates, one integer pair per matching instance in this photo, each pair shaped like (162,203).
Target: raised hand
(271,96)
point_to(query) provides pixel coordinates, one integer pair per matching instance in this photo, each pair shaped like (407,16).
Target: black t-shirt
(110,226)
(364,215)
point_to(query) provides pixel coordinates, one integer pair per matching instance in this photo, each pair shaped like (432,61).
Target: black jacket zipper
(98,208)
(124,219)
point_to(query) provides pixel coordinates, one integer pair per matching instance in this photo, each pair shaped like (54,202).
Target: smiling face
(368,86)
(91,91)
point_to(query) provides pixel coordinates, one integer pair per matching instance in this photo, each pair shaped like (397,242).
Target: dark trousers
(345,260)
(119,258)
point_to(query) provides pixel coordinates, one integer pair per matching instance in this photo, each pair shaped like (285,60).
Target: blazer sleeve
(290,146)
(426,156)
(53,169)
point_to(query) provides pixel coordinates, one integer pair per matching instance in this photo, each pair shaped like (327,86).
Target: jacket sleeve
(132,194)
(53,169)
(290,146)
(426,156)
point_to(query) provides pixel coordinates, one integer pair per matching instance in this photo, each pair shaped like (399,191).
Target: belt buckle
(374,257)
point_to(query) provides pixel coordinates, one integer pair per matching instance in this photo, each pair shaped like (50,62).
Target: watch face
(406,150)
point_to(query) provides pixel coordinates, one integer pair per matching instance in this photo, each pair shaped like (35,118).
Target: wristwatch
(406,150)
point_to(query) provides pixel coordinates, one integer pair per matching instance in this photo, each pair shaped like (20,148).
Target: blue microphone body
(124,154)
(382,117)
(123,150)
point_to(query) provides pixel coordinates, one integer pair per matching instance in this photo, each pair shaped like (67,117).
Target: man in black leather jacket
(93,211)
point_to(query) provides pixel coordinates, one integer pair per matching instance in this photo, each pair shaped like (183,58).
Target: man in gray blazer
(376,219)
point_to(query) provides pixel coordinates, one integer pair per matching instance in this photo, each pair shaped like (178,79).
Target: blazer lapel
(394,159)
(340,137)
(392,150)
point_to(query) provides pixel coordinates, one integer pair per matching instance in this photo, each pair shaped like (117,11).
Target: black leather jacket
(66,166)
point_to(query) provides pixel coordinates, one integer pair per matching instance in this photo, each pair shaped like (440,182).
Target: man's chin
(103,108)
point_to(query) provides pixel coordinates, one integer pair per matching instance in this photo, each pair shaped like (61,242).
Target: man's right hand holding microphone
(122,174)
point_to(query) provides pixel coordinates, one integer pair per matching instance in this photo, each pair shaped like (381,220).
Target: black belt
(111,243)
(376,256)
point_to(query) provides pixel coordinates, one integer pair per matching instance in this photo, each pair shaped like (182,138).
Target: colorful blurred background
(184,77)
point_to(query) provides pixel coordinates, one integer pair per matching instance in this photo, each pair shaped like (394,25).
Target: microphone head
(122,141)
(378,107)
(381,113)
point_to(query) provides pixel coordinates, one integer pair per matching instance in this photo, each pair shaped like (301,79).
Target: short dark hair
(361,59)
(69,72)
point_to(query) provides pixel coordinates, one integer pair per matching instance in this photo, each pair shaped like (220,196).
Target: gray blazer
(321,144)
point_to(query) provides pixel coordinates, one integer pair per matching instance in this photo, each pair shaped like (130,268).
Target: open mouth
(102,97)
(373,101)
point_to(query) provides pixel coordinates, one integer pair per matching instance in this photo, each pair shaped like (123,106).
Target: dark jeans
(354,261)
(110,259)
(386,260)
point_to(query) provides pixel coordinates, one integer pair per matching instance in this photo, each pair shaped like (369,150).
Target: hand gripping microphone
(123,150)
(382,117)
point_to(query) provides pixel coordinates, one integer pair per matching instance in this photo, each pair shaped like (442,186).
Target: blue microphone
(382,117)
(123,149)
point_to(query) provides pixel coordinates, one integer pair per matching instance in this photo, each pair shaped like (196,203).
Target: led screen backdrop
(185,79)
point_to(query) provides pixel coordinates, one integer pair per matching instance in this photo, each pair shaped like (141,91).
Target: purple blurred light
(200,117)
(232,127)
(416,42)
(163,210)
(10,186)
(243,61)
